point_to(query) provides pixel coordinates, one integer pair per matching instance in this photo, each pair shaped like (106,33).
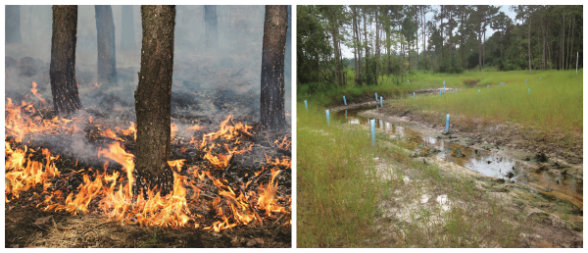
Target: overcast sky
(348,53)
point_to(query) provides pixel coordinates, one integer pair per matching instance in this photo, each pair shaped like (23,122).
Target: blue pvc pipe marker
(306,104)
(443,84)
(376,96)
(478,91)
(413,94)
(344,100)
(447,123)
(373,127)
(345,114)
(328,117)
(381,102)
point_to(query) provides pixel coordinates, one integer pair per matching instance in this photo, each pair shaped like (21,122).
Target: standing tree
(106,48)
(210,25)
(12,25)
(128,29)
(63,59)
(153,98)
(272,114)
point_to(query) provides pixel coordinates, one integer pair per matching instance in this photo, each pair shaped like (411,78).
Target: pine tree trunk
(272,114)
(64,87)
(210,25)
(153,98)
(377,68)
(356,53)
(128,29)
(562,42)
(529,43)
(367,54)
(12,25)
(106,47)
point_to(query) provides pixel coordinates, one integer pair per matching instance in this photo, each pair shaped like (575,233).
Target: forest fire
(201,197)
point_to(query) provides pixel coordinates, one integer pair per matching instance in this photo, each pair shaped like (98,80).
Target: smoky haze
(231,65)
(209,82)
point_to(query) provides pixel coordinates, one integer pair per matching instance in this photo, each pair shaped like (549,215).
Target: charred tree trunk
(64,87)
(12,25)
(272,114)
(153,98)
(106,47)
(210,22)
(128,28)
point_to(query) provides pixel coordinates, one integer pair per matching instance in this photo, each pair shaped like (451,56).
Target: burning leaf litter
(201,197)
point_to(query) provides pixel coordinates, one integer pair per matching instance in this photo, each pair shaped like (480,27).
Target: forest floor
(30,227)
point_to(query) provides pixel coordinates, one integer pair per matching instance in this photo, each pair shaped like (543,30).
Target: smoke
(209,82)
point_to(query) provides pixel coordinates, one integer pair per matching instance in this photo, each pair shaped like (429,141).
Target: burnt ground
(27,226)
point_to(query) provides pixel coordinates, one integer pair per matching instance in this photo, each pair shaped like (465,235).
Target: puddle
(491,164)
(484,162)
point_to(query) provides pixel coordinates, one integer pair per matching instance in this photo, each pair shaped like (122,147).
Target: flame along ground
(111,193)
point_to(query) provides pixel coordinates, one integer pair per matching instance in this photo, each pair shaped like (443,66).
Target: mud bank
(499,134)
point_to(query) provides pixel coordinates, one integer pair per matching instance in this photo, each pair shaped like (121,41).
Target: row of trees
(394,40)
(153,94)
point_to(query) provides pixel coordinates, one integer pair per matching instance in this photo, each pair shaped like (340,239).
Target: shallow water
(496,164)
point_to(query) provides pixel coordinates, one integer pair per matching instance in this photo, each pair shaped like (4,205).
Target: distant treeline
(395,40)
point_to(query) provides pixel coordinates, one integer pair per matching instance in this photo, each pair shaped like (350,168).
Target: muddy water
(491,163)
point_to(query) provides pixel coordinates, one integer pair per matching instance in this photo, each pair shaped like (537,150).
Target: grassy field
(554,103)
(336,192)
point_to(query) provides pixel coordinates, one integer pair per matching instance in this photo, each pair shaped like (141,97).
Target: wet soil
(545,190)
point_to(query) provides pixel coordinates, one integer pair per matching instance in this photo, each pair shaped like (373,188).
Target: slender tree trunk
(128,29)
(12,25)
(210,21)
(423,19)
(367,54)
(272,115)
(63,59)
(106,46)
(562,42)
(544,47)
(377,69)
(153,98)
(357,52)
(529,42)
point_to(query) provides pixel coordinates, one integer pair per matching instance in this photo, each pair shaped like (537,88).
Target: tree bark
(12,25)
(529,42)
(356,52)
(106,47)
(272,114)
(210,25)
(128,29)
(64,87)
(153,98)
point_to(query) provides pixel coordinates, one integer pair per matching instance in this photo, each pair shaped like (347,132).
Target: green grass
(554,103)
(336,190)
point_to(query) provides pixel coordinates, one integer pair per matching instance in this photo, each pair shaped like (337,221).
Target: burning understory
(227,175)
